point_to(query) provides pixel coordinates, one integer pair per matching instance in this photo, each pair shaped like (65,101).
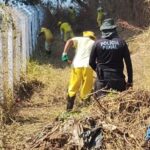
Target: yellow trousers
(81,80)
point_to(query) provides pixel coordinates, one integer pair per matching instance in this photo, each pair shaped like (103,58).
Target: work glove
(64,57)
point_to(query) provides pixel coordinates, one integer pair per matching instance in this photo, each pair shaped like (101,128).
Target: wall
(19,27)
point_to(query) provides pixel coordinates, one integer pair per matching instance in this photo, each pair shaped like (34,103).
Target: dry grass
(41,105)
(47,102)
(141,61)
(123,118)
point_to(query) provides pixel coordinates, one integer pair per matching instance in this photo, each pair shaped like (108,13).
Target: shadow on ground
(125,31)
(54,58)
(25,89)
(29,120)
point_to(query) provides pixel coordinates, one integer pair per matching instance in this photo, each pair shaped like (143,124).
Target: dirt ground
(49,77)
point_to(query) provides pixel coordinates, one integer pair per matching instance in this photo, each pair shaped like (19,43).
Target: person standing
(81,74)
(100,16)
(66,31)
(107,60)
(48,36)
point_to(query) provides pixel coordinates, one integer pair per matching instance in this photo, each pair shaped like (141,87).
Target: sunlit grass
(49,102)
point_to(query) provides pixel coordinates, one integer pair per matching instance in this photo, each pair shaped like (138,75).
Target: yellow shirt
(48,34)
(100,17)
(65,27)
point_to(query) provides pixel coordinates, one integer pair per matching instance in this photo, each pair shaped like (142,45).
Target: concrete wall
(19,27)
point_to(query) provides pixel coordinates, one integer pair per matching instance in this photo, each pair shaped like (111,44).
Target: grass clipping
(122,119)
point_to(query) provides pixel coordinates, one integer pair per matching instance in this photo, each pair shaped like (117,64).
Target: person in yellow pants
(48,38)
(66,31)
(100,16)
(81,74)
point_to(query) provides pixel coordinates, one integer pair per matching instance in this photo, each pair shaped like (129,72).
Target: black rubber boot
(70,102)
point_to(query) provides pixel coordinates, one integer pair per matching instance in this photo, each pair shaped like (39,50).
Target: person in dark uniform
(107,59)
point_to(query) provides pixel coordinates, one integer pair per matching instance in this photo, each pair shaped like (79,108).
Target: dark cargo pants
(108,79)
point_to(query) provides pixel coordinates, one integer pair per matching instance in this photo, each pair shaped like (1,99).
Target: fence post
(23,43)
(20,26)
(1,70)
(10,58)
(18,56)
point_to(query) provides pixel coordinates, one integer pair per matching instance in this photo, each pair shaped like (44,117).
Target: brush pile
(125,25)
(117,122)
(134,11)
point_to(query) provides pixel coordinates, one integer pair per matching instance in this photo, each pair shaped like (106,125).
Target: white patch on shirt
(109,45)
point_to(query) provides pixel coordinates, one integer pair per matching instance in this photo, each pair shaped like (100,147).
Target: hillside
(43,91)
(135,12)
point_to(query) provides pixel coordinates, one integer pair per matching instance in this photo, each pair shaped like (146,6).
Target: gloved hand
(64,57)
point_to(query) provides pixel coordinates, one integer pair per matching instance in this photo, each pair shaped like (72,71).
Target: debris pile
(116,122)
(124,24)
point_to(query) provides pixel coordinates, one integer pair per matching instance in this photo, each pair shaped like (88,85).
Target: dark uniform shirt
(109,54)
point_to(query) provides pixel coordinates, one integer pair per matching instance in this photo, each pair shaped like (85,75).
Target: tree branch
(82,4)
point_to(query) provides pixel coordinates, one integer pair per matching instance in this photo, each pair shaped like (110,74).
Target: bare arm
(68,45)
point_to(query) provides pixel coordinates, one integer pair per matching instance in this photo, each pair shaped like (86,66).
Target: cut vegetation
(123,117)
